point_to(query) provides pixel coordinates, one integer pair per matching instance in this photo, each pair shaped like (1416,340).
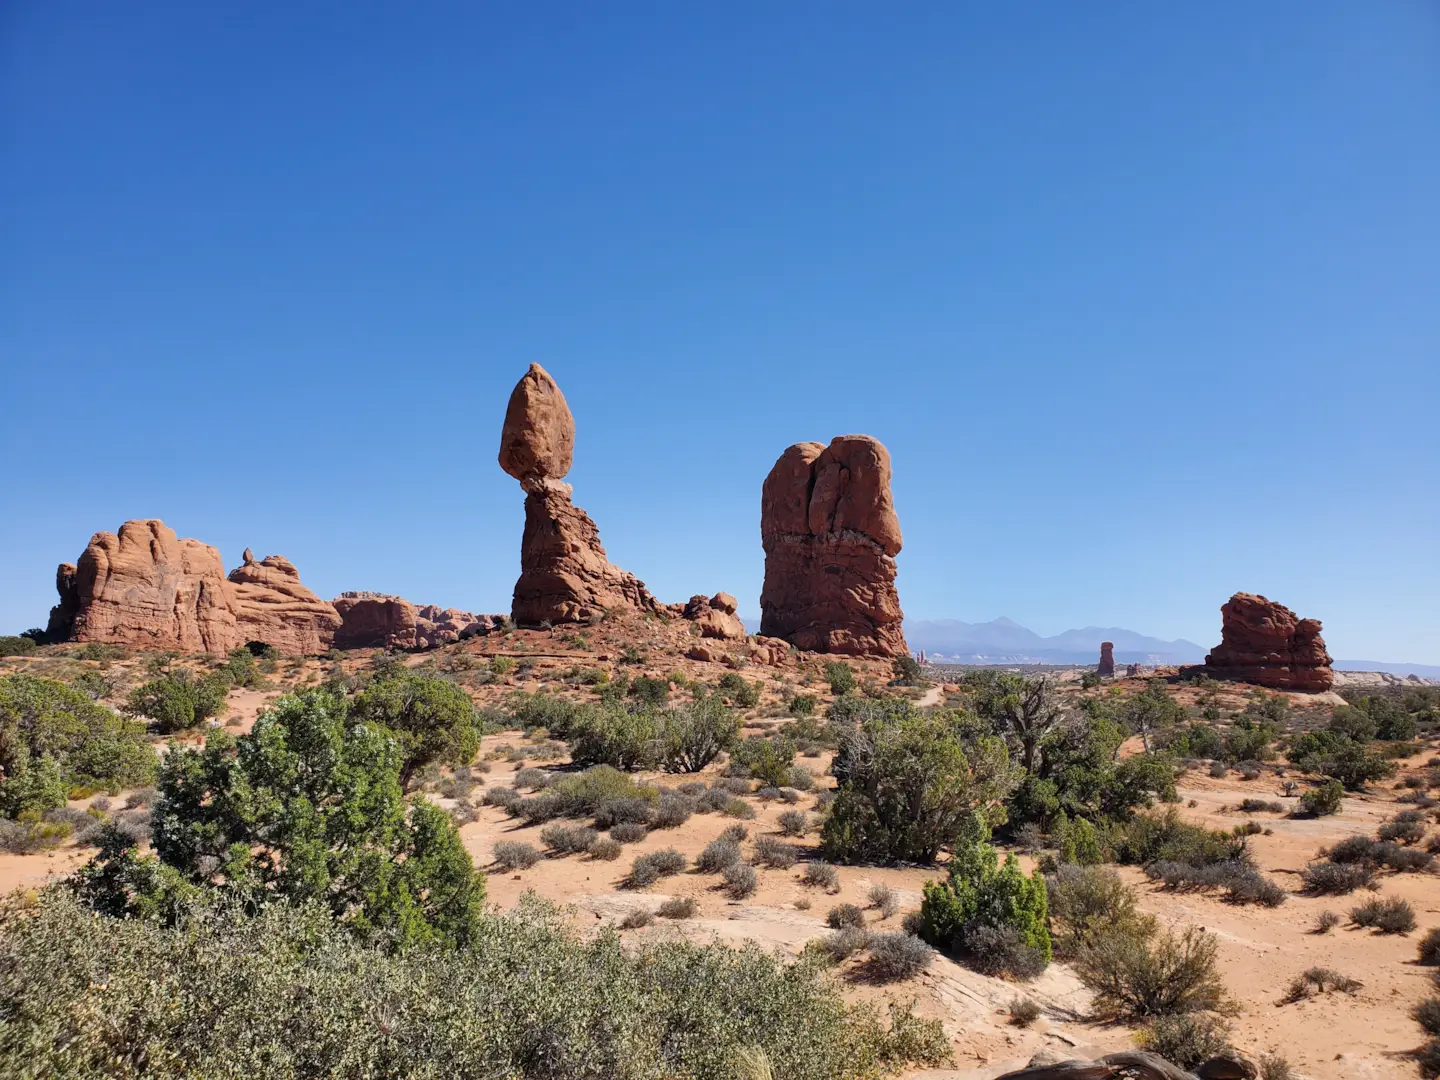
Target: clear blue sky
(1143,298)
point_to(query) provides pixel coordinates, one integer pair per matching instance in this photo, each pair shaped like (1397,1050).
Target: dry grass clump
(628,832)
(1023,1011)
(1136,974)
(648,869)
(740,880)
(794,822)
(897,956)
(515,855)
(1336,879)
(821,875)
(1187,1039)
(504,797)
(845,943)
(843,915)
(1276,1067)
(1389,916)
(884,900)
(568,839)
(678,907)
(1318,980)
(1430,947)
(717,855)
(605,849)
(636,919)
(774,854)
(1327,921)
(1258,806)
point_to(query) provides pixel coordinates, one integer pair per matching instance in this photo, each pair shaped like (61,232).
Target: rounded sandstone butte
(715,617)
(271,605)
(147,588)
(1107,658)
(1264,643)
(538,439)
(830,533)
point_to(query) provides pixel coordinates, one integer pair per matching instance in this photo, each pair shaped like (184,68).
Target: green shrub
(178,701)
(910,785)
(287,994)
(431,719)
(695,735)
(307,806)
(12,645)
(1134,974)
(1151,837)
(1077,841)
(981,892)
(54,738)
(802,705)
(840,676)
(1323,800)
(766,759)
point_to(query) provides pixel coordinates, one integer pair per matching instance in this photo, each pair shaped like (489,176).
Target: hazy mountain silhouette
(1006,641)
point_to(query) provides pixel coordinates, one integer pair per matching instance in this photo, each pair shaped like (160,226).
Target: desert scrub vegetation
(432,720)
(911,784)
(717,855)
(1322,801)
(55,740)
(794,822)
(774,854)
(1242,883)
(307,806)
(1429,947)
(1388,916)
(842,915)
(821,875)
(1088,902)
(884,900)
(515,855)
(650,868)
(1135,974)
(1187,1039)
(898,955)
(990,912)
(740,880)
(527,990)
(1023,1011)
(1319,980)
(178,700)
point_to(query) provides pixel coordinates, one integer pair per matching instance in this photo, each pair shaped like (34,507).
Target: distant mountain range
(1004,641)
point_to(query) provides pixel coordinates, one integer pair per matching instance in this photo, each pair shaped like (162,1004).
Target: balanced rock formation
(372,620)
(830,533)
(147,588)
(1264,643)
(272,606)
(715,616)
(1107,658)
(565,575)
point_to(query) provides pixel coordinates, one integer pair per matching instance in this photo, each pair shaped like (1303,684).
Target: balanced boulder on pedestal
(565,575)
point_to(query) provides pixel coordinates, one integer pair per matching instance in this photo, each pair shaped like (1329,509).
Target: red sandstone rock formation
(1263,642)
(272,606)
(379,621)
(828,525)
(565,575)
(1107,658)
(149,589)
(715,616)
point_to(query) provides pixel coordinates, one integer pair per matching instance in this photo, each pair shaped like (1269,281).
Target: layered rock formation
(147,588)
(379,621)
(1263,642)
(272,606)
(565,575)
(830,533)
(715,616)
(1107,658)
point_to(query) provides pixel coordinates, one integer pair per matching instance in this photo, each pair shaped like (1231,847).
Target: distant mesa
(830,533)
(565,575)
(1264,643)
(371,620)
(147,588)
(1107,658)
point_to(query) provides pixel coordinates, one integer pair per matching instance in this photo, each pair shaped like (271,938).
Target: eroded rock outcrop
(1265,643)
(715,616)
(271,605)
(371,620)
(565,575)
(830,533)
(147,588)
(1107,659)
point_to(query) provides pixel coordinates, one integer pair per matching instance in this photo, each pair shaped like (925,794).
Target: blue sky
(1143,298)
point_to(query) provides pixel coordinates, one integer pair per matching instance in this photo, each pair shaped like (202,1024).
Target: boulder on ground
(715,616)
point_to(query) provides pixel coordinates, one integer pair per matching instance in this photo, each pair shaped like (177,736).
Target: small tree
(1024,710)
(431,720)
(1151,712)
(308,806)
(695,735)
(178,701)
(911,785)
(840,676)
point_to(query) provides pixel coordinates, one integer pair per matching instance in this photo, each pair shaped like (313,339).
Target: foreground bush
(177,701)
(287,994)
(1086,902)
